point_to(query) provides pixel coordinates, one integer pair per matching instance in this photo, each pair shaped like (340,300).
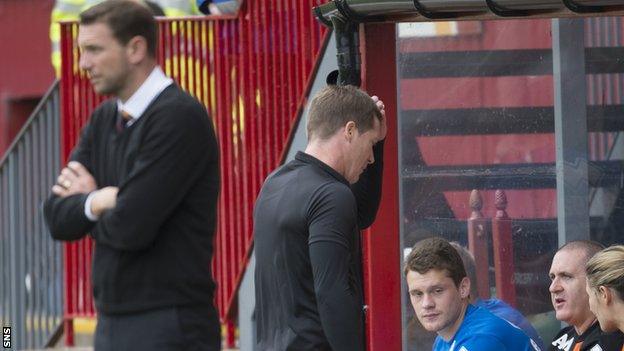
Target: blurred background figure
(162,297)
(218,7)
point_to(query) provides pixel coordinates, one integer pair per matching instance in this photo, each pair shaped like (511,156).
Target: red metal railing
(478,244)
(502,243)
(251,72)
(500,229)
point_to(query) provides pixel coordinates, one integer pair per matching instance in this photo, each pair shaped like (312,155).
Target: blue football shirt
(501,309)
(482,331)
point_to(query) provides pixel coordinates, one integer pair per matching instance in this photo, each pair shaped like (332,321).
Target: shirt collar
(307,158)
(155,83)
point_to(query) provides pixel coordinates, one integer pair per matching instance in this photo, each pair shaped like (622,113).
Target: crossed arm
(76,179)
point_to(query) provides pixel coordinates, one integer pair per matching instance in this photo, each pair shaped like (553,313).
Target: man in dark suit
(143,181)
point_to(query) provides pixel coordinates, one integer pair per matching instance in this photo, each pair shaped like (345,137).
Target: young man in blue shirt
(440,291)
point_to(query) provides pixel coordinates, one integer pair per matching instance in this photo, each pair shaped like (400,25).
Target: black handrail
(430,10)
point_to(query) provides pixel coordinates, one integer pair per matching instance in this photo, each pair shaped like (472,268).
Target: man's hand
(381,107)
(104,199)
(74,179)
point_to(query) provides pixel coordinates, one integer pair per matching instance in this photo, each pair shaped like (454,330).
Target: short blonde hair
(606,268)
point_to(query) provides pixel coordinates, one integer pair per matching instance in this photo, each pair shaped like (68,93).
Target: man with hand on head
(143,180)
(571,302)
(439,291)
(307,223)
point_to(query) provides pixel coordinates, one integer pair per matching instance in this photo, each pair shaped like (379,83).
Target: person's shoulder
(601,341)
(279,177)
(500,308)
(174,99)
(492,341)
(592,335)
(107,108)
(175,110)
(483,318)
(480,325)
(335,192)
(102,114)
(563,339)
(175,92)
(492,304)
(503,310)
(299,177)
(106,105)
(304,177)
(319,179)
(611,341)
(327,196)
(309,187)
(493,319)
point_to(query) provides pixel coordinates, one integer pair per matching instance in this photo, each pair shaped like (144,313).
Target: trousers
(177,328)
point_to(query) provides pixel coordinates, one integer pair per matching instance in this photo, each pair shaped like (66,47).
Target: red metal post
(503,251)
(478,244)
(66,109)
(231,335)
(382,256)
(68,330)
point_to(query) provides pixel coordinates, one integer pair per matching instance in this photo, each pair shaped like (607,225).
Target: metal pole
(348,51)
(570,129)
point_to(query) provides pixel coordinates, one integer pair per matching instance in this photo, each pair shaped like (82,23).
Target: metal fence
(30,261)
(251,72)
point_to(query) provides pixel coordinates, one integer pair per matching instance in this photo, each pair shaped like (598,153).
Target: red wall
(25,68)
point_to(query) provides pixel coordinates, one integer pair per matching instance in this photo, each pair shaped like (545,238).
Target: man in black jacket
(143,181)
(571,302)
(306,228)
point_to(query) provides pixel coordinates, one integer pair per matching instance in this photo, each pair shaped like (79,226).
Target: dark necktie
(122,121)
